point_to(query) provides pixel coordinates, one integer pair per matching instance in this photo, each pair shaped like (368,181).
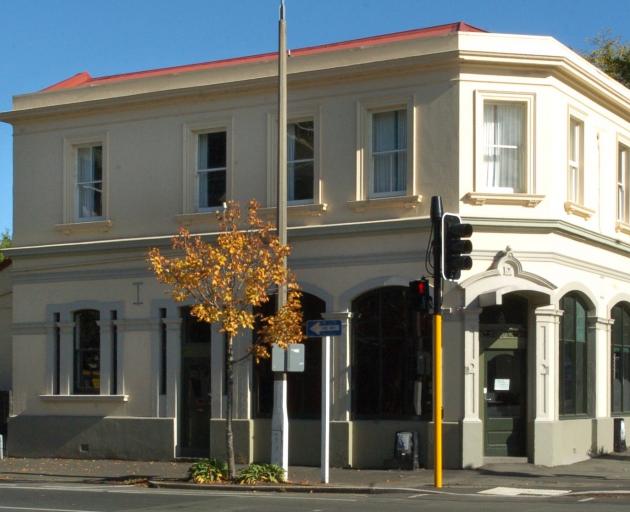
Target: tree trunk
(229,437)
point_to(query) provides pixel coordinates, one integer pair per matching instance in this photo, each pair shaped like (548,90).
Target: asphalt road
(101,498)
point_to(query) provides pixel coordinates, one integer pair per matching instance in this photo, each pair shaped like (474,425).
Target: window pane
(389,130)
(97,162)
(300,181)
(90,203)
(211,189)
(568,377)
(300,141)
(86,352)
(568,318)
(626,378)
(212,150)
(580,322)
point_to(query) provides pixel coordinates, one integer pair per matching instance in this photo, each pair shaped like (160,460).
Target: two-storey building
(518,134)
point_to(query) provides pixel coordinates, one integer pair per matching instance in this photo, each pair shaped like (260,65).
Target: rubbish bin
(620,435)
(406,450)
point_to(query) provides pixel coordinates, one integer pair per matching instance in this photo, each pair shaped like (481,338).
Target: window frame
(622,181)
(365,162)
(575,190)
(295,115)
(190,181)
(72,145)
(528,100)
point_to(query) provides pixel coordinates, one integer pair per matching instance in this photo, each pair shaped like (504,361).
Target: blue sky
(45,41)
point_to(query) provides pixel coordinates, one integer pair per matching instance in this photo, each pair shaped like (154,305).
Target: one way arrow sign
(317,328)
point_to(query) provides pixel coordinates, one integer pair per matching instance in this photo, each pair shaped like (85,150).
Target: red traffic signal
(419,295)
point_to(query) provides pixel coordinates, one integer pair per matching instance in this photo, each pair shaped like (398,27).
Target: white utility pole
(280,417)
(325,448)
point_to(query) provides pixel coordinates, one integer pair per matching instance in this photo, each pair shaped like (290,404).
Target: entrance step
(505,460)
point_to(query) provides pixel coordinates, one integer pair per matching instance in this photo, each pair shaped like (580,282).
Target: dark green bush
(208,470)
(261,473)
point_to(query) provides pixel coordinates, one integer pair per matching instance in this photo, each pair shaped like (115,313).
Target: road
(102,498)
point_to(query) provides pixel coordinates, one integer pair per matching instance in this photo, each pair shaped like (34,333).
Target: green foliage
(261,473)
(5,241)
(611,56)
(208,470)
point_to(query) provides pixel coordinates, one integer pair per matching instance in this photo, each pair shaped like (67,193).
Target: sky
(45,41)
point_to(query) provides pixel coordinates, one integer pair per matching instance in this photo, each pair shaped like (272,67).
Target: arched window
(620,341)
(304,388)
(87,353)
(574,354)
(386,359)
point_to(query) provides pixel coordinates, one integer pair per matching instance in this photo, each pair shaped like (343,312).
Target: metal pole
(436,221)
(280,419)
(325,454)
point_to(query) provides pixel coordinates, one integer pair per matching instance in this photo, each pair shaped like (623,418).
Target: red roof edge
(437,30)
(74,81)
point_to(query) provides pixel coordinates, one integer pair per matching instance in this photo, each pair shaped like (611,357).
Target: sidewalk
(610,473)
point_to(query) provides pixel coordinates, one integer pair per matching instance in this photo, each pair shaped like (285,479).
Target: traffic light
(455,251)
(419,297)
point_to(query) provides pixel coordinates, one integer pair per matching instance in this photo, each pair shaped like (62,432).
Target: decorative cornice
(481,198)
(385,202)
(97,226)
(297,210)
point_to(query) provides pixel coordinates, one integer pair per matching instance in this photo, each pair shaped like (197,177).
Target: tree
(226,280)
(611,56)
(5,242)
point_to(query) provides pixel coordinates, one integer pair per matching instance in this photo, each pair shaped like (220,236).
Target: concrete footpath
(605,474)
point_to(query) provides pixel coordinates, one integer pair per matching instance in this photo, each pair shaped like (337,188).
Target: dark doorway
(503,342)
(195,390)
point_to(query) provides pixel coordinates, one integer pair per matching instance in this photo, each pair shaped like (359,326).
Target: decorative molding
(95,226)
(193,219)
(85,398)
(385,202)
(579,210)
(137,324)
(515,199)
(505,264)
(32,327)
(297,210)
(622,227)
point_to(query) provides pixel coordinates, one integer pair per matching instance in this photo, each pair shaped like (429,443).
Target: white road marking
(417,495)
(117,489)
(45,509)
(515,491)
(586,499)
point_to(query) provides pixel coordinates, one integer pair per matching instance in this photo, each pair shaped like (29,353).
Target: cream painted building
(518,134)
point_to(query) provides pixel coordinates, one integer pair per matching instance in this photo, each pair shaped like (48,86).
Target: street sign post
(317,328)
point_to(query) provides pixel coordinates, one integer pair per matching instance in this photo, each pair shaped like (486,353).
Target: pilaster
(547,339)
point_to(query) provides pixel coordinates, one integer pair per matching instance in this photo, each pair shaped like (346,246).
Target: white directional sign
(316,328)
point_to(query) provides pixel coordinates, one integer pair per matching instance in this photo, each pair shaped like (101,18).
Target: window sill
(510,199)
(579,210)
(622,227)
(84,398)
(297,210)
(205,217)
(95,226)
(385,202)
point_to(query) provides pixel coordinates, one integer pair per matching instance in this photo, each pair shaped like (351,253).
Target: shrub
(208,470)
(261,473)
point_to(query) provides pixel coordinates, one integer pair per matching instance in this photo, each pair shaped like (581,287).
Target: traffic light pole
(436,221)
